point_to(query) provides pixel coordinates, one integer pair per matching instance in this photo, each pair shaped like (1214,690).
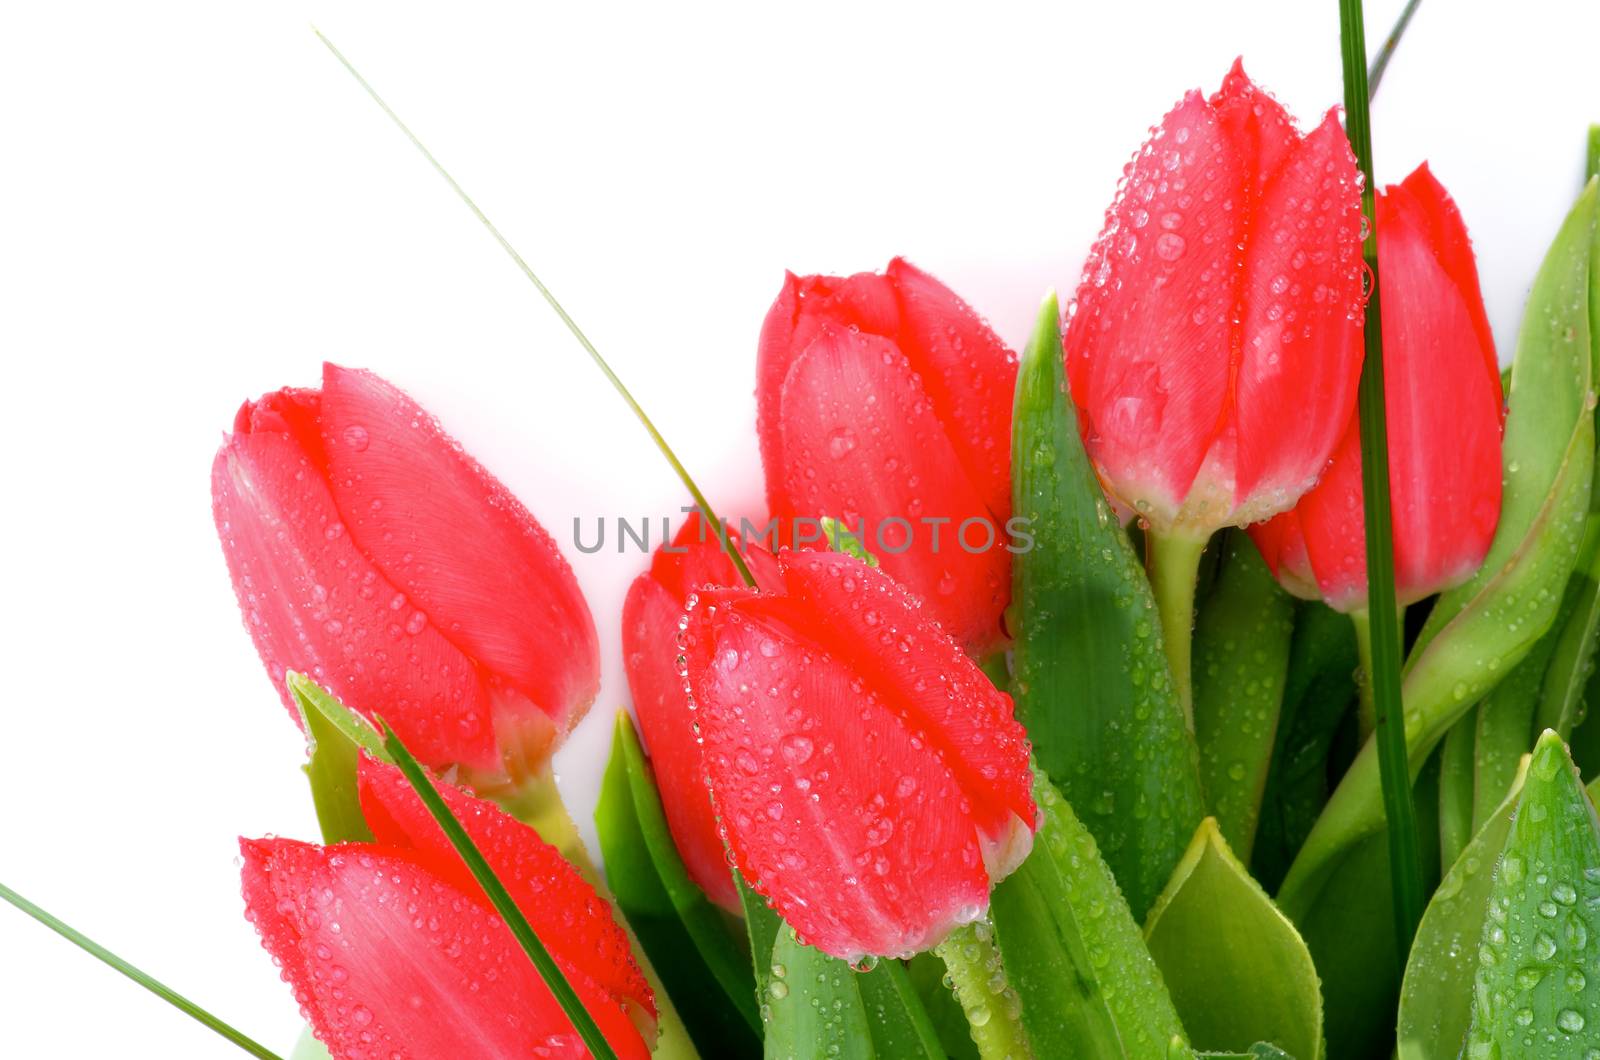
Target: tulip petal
(832,801)
(1282,545)
(469,557)
(313,602)
(1443,404)
(1300,335)
(649,623)
(804,305)
(1150,330)
(574,923)
(387,960)
(1333,526)
(1428,205)
(883,635)
(968,373)
(1260,131)
(861,442)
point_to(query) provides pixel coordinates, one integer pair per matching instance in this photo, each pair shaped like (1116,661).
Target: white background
(198,205)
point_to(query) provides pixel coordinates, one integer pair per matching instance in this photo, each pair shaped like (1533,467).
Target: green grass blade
(1390,43)
(155,986)
(560,311)
(1383,673)
(496,892)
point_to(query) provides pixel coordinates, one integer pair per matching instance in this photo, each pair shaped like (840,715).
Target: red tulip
(370,552)
(885,402)
(871,782)
(651,620)
(1214,344)
(1443,406)
(394,951)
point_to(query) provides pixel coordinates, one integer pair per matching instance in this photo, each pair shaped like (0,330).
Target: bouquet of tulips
(1212,678)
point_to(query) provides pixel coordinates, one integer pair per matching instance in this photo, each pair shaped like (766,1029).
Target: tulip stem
(993,1015)
(1173,563)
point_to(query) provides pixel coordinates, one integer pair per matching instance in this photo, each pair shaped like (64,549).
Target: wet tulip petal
(1148,339)
(1300,337)
(861,441)
(649,623)
(564,911)
(968,373)
(834,806)
(313,602)
(468,556)
(804,305)
(884,635)
(1443,408)
(389,961)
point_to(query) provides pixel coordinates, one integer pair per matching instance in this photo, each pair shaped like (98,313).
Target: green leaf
(762,925)
(1574,638)
(1237,970)
(1352,941)
(681,932)
(814,1007)
(901,1026)
(1090,678)
(1074,953)
(1537,989)
(499,897)
(927,975)
(1504,723)
(1436,996)
(308,1048)
(842,540)
(1457,767)
(331,768)
(1258,1051)
(1241,661)
(1316,699)
(355,728)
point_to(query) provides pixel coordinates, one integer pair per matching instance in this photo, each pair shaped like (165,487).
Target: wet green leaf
(682,933)
(1237,970)
(901,1027)
(927,975)
(1572,654)
(1090,677)
(1241,659)
(1436,996)
(1317,697)
(1537,987)
(814,1007)
(1074,953)
(1504,724)
(1457,768)
(332,766)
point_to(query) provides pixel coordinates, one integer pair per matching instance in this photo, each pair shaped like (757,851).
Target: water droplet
(356,437)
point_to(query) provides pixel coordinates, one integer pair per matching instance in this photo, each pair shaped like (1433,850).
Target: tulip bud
(870,781)
(652,620)
(1444,408)
(391,947)
(368,551)
(1213,346)
(884,401)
